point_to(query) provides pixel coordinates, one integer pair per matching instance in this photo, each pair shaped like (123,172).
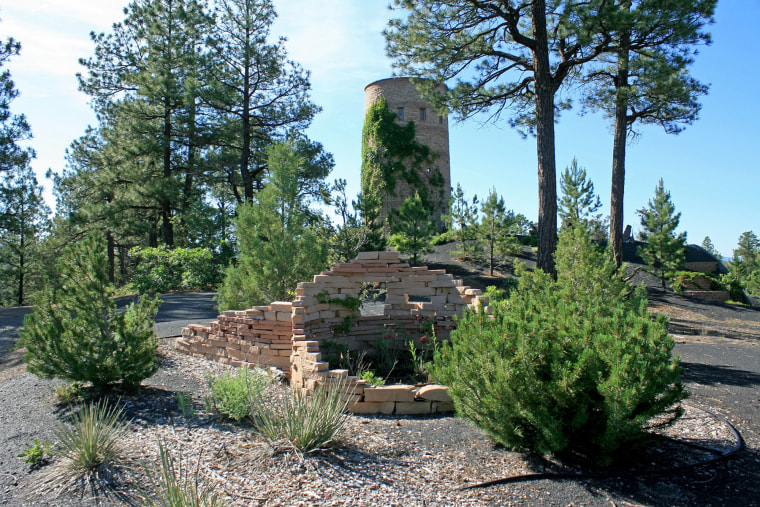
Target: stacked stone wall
(260,336)
(294,336)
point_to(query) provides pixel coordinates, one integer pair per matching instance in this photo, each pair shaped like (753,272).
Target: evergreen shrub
(76,332)
(575,365)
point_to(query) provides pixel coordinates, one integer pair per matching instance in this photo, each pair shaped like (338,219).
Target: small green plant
(231,394)
(38,454)
(174,486)
(306,422)
(185,404)
(92,439)
(369,377)
(66,393)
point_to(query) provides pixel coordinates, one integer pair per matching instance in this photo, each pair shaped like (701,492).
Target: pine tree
(707,244)
(255,93)
(145,83)
(506,58)
(280,241)
(579,202)
(462,220)
(351,234)
(645,79)
(497,229)
(412,228)
(745,264)
(665,250)
(13,128)
(23,221)
(77,333)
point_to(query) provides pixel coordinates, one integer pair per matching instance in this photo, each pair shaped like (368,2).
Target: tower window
(422,114)
(400,113)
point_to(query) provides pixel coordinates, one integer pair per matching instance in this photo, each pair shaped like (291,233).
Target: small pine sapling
(76,332)
(665,250)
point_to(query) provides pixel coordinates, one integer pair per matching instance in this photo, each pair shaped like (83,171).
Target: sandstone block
(389,256)
(434,392)
(413,407)
(372,407)
(399,393)
(442,406)
(281,306)
(367,256)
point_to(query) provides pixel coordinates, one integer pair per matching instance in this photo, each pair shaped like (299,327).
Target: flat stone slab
(389,393)
(413,407)
(372,407)
(434,392)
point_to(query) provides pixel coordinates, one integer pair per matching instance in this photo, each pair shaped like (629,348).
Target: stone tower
(431,130)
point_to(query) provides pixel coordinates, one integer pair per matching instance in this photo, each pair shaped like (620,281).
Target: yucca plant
(306,422)
(92,438)
(174,486)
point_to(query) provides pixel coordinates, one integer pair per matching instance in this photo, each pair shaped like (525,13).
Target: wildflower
(423,339)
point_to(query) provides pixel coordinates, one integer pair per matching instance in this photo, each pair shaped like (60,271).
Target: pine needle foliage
(575,365)
(76,332)
(412,228)
(664,250)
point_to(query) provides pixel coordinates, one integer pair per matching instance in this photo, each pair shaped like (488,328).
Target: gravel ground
(403,461)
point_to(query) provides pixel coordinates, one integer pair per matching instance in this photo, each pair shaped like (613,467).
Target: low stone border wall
(398,399)
(716,296)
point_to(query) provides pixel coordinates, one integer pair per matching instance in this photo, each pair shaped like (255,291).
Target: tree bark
(110,247)
(21,266)
(618,149)
(547,172)
(166,207)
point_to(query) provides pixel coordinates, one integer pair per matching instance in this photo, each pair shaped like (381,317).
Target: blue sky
(712,169)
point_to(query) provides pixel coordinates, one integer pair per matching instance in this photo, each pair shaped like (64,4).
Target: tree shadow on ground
(713,375)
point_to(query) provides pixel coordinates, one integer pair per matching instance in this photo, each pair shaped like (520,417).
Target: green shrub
(733,285)
(231,394)
(371,379)
(163,269)
(306,422)
(77,334)
(174,486)
(575,365)
(92,439)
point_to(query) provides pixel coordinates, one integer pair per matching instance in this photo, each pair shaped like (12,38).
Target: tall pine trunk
(618,149)
(547,178)
(166,206)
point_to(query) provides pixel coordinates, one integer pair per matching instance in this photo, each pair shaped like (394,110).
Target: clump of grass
(306,422)
(92,439)
(173,485)
(231,394)
(185,404)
